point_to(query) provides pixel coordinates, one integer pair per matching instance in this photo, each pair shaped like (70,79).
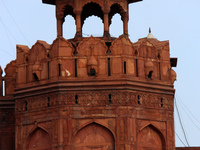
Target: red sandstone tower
(96,93)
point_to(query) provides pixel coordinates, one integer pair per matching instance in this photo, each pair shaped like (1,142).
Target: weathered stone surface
(91,93)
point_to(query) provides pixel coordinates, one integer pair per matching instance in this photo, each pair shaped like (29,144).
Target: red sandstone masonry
(92,93)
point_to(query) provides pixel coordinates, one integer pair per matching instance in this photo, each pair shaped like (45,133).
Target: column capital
(77,12)
(60,16)
(106,26)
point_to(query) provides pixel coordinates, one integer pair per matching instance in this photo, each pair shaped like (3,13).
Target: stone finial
(149,30)
(150,36)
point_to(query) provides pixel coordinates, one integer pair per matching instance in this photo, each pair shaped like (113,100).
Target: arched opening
(39,139)
(96,25)
(69,27)
(92,72)
(116,26)
(68,10)
(92,26)
(94,137)
(151,138)
(150,75)
(116,20)
(35,77)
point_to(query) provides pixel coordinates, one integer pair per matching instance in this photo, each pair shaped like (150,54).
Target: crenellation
(148,63)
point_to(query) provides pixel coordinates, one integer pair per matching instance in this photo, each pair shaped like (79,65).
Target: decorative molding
(96,98)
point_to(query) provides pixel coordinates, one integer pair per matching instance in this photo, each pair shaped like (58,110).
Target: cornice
(95,85)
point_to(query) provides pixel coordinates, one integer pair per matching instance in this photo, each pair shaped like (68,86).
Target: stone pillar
(59,26)
(106,25)
(78,25)
(60,134)
(125,24)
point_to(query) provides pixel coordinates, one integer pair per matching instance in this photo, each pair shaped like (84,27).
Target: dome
(149,64)
(36,66)
(173,73)
(92,61)
(150,35)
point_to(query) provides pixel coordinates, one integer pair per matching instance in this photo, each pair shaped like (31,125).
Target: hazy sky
(24,22)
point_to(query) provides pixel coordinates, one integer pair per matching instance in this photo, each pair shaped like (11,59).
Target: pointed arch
(38,138)
(90,46)
(61,48)
(150,136)
(122,45)
(38,52)
(22,51)
(94,135)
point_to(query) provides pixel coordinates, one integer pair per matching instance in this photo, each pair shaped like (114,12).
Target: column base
(78,35)
(126,35)
(106,34)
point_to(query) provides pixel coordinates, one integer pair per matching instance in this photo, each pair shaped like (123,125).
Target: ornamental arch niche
(69,27)
(38,139)
(94,10)
(68,10)
(150,138)
(90,9)
(94,137)
(116,11)
(116,26)
(69,24)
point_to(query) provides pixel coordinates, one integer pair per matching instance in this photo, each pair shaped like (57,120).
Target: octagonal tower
(96,93)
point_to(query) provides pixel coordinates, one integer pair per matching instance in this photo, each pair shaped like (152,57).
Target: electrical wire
(190,118)
(7,53)
(8,30)
(187,109)
(180,139)
(15,22)
(7,35)
(181,123)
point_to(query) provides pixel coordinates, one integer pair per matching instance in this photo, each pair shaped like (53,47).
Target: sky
(23,22)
